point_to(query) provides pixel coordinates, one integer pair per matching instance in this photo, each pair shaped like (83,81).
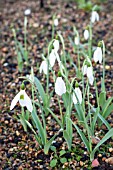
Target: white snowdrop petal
(86,34)
(97,56)
(52,58)
(84,69)
(91,80)
(60,87)
(43,67)
(74,99)
(28,102)
(56,22)
(97,16)
(56,45)
(22,101)
(90,75)
(76,40)
(27,12)
(15,100)
(78,94)
(57,57)
(89,72)
(94,16)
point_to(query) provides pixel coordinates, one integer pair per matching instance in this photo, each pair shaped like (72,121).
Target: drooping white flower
(27,12)
(43,67)
(23,99)
(60,87)
(86,34)
(56,45)
(52,58)
(89,72)
(56,22)
(76,40)
(90,75)
(97,56)
(78,94)
(94,16)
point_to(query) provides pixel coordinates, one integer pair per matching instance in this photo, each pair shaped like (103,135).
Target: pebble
(107,67)
(17,133)
(110,149)
(11,150)
(6,122)
(5,64)
(100,155)
(81,163)
(104,158)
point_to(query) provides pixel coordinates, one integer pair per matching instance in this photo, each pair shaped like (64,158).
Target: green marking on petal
(22,97)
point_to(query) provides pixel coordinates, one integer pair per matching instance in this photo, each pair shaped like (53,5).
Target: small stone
(20,168)
(11,150)
(0,130)
(81,163)
(5,64)
(17,133)
(100,155)
(104,158)
(6,122)
(107,67)
(109,160)
(35,25)
(26,147)
(5,49)
(110,149)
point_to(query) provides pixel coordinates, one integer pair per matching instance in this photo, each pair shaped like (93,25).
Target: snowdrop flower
(97,56)
(52,58)
(27,12)
(94,16)
(77,40)
(78,94)
(56,22)
(23,99)
(60,87)
(86,34)
(56,45)
(43,67)
(86,69)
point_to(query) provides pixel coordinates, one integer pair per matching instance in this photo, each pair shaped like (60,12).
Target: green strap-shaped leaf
(55,117)
(80,112)
(106,106)
(48,144)
(104,139)
(39,127)
(104,121)
(67,138)
(108,111)
(84,139)
(40,89)
(102,98)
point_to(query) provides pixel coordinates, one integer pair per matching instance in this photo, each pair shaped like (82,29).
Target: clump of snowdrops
(75,92)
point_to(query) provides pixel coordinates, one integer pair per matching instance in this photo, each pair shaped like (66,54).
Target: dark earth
(18,149)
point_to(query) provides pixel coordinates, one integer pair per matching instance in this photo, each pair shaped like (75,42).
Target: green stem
(90,41)
(60,111)
(103,60)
